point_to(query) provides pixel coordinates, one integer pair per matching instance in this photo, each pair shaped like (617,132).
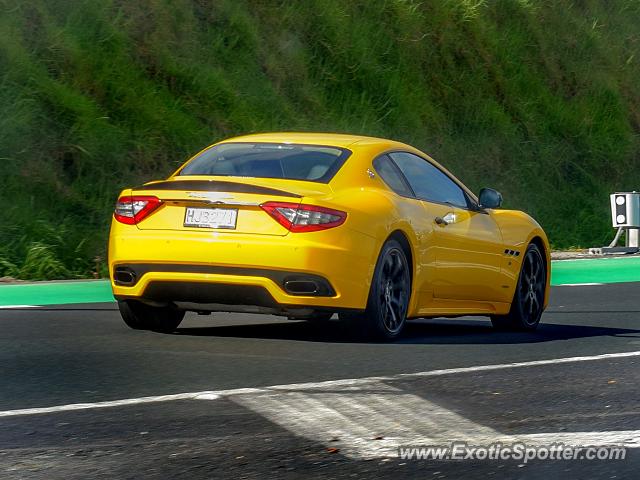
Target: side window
(391,176)
(429,182)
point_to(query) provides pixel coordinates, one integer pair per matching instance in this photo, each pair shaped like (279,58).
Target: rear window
(312,163)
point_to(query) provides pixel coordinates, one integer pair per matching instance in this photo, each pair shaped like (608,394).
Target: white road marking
(628,438)
(112,403)
(16,306)
(533,363)
(577,284)
(343,384)
(353,420)
(373,420)
(367,418)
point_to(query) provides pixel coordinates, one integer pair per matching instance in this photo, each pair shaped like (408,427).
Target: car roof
(329,139)
(341,140)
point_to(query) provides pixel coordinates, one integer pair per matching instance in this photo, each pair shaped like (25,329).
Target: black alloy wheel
(386,312)
(393,291)
(528,301)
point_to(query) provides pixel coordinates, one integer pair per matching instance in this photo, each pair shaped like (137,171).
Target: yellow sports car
(306,225)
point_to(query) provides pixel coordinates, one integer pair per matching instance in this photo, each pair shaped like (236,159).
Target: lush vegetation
(539,99)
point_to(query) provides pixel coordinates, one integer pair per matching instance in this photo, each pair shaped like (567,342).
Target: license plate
(210,217)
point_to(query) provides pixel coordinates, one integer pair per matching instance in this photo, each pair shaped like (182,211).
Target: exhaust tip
(124,276)
(301,287)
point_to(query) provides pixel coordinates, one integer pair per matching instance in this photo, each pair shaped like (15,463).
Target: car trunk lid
(230,205)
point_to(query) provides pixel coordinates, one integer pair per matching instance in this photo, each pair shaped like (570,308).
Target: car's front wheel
(528,300)
(388,302)
(139,316)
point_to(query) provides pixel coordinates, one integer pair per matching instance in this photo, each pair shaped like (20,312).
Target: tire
(139,316)
(388,301)
(528,299)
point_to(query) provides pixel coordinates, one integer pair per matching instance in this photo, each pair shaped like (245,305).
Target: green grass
(539,99)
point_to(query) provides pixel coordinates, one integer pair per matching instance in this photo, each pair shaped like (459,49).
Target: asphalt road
(64,355)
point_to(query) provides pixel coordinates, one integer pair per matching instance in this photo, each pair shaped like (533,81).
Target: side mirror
(490,198)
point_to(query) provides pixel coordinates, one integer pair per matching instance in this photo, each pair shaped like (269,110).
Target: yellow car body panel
(458,270)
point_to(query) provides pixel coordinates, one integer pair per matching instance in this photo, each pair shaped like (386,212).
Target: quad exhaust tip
(300,284)
(124,276)
(301,287)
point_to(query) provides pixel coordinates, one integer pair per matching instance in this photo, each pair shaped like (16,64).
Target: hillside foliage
(538,99)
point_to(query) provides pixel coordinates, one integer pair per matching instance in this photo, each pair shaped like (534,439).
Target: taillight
(304,218)
(133,209)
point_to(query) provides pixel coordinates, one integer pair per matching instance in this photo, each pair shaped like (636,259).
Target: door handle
(446,220)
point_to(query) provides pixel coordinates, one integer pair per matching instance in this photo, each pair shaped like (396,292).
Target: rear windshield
(313,163)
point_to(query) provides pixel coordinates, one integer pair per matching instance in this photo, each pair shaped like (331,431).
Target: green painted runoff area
(55,293)
(563,272)
(596,270)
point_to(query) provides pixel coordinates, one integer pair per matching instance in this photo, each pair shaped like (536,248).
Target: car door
(468,241)
(411,208)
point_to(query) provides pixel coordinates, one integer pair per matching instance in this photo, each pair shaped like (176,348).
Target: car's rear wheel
(139,316)
(388,302)
(528,300)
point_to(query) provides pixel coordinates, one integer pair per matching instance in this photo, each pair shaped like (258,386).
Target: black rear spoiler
(215,186)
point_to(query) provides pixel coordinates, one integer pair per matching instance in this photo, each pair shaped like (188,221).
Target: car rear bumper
(326,269)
